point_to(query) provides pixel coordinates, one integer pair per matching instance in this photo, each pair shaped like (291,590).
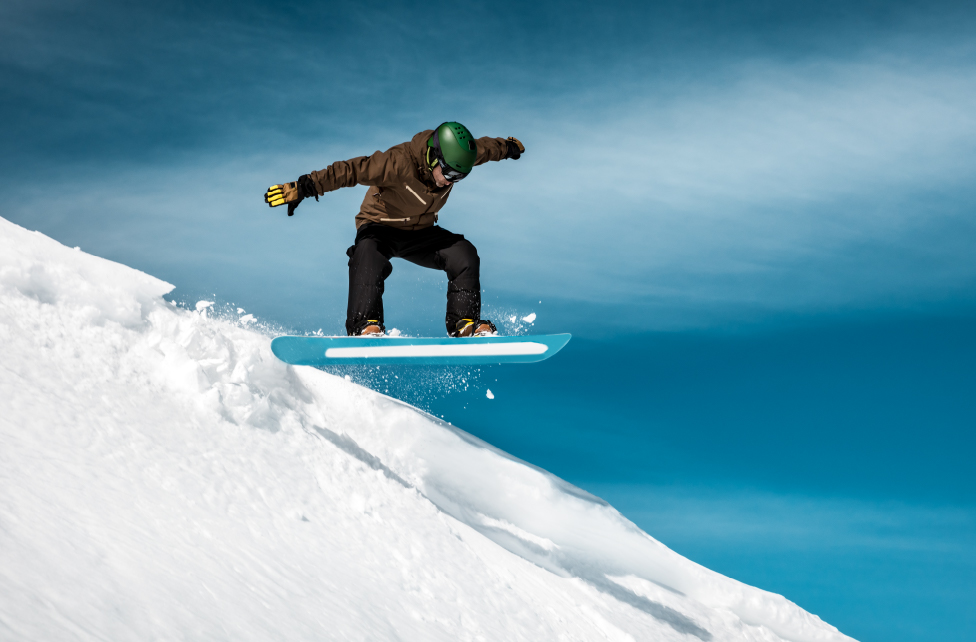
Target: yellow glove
(291,193)
(281,194)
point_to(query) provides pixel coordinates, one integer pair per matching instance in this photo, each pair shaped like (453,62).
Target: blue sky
(757,219)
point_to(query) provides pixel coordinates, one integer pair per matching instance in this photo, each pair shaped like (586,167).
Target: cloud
(810,186)
(757,520)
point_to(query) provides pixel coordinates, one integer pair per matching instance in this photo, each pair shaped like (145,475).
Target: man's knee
(462,257)
(366,257)
(364,250)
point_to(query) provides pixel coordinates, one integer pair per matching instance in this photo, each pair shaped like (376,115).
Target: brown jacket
(402,192)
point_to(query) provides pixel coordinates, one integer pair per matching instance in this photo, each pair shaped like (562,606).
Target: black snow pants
(432,247)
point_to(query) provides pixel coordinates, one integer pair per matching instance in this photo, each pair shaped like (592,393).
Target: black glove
(515,148)
(291,193)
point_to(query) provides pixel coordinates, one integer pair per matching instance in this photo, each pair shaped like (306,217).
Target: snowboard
(469,351)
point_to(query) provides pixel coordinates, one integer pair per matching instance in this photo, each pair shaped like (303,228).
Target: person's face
(439,177)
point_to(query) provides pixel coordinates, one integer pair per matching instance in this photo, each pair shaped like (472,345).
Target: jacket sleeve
(382,169)
(491,149)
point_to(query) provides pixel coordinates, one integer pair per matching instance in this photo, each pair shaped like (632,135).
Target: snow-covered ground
(163,476)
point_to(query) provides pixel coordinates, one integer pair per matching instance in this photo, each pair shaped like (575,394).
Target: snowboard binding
(470,328)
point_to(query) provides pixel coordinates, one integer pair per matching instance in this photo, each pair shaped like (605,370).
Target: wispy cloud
(816,185)
(794,522)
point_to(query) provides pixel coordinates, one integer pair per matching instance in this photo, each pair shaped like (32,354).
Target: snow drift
(163,476)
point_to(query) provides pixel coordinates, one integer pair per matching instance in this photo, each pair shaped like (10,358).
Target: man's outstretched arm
(496,149)
(379,169)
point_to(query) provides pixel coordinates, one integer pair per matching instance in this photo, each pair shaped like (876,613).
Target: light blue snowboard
(470,351)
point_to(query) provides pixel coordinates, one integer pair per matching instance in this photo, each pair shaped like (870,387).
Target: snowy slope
(163,476)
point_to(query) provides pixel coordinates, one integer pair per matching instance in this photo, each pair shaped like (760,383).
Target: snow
(512,323)
(163,476)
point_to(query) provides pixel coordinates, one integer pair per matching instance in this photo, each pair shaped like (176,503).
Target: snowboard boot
(470,328)
(371,328)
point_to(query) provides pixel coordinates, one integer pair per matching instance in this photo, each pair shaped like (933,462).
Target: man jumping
(408,185)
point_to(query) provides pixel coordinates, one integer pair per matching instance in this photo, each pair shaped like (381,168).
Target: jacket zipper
(415,194)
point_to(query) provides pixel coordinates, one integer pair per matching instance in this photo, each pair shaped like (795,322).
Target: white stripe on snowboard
(458,349)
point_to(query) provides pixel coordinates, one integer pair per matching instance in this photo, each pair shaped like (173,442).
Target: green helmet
(454,149)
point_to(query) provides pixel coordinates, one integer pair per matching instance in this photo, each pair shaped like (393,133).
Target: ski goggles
(450,174)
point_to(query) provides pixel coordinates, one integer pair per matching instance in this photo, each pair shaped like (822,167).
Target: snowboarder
(408,184)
